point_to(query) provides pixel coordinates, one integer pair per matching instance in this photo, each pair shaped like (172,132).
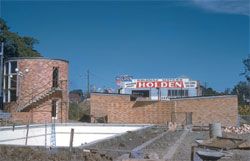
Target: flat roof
(21,58)
(178,98)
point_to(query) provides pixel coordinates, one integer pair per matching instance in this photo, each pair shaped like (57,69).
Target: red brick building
(36,89)
(195,110)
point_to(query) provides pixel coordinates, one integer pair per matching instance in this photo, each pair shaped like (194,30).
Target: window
(6,82)
(6,68)
(13,82)
(10,81)
(55,77)
(178,93)
(140,93)
(12,95)
(13,66)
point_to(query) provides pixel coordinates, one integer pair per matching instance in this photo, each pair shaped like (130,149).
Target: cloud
(240,7)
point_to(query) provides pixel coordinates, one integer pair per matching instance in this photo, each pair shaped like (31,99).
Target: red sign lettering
(160,84)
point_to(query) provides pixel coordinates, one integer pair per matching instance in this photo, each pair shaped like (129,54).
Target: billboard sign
(123,78)
(160,83)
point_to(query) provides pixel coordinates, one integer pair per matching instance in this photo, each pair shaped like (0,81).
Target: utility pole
(88,88)
(1,75)
(204,92)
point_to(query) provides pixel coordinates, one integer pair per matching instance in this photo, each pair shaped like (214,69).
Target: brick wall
(35,82)
(205,110)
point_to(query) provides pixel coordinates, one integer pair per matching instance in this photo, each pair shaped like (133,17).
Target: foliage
(16,45)
(77,91)
(80,111)
(244,110)
(242,90)
(209,91)
(246,73)
(73,111)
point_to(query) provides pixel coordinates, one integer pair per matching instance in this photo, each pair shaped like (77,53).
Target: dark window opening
(139,93)
(13,82)
(55,76)
(53,111)
(6,80)
(13,96)
(13,66)
(7,68)
(6,95)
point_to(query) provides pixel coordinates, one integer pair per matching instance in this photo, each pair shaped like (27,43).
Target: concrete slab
(84,133)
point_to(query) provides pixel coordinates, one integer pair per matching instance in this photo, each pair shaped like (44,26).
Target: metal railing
(37,96)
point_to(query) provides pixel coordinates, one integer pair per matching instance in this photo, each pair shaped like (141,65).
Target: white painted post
(45,134)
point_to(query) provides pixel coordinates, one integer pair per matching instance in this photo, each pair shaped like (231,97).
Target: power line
(88,82)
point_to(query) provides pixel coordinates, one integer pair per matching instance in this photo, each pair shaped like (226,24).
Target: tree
(242,90)
(209,91)
(246,63)
(77,91)
(16,45)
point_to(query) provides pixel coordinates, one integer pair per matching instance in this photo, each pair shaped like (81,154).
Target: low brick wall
(205,110)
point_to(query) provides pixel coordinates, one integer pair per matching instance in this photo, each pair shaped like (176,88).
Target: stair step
(42,96)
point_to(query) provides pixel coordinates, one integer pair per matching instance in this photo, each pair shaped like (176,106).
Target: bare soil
(123,144)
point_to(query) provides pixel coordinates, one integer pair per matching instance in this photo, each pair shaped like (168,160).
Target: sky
(203,40)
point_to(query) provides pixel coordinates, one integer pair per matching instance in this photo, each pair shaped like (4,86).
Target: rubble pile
(244,129)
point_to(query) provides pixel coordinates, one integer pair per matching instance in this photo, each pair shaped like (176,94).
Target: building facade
(159,89)
(36,89)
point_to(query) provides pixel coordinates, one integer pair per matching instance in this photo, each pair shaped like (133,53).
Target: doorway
(54,110)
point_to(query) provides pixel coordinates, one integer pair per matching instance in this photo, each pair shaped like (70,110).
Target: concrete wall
(205,110)
(36,82)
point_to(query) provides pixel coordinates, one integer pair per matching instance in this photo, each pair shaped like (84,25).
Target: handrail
(36,96)
(40,86)
(28,94)
(46,90)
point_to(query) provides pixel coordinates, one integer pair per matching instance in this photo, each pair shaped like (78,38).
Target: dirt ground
(124,144)
(156,150)
(184,151)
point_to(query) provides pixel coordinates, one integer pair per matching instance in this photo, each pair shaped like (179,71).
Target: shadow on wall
(85,118)
(143,103)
